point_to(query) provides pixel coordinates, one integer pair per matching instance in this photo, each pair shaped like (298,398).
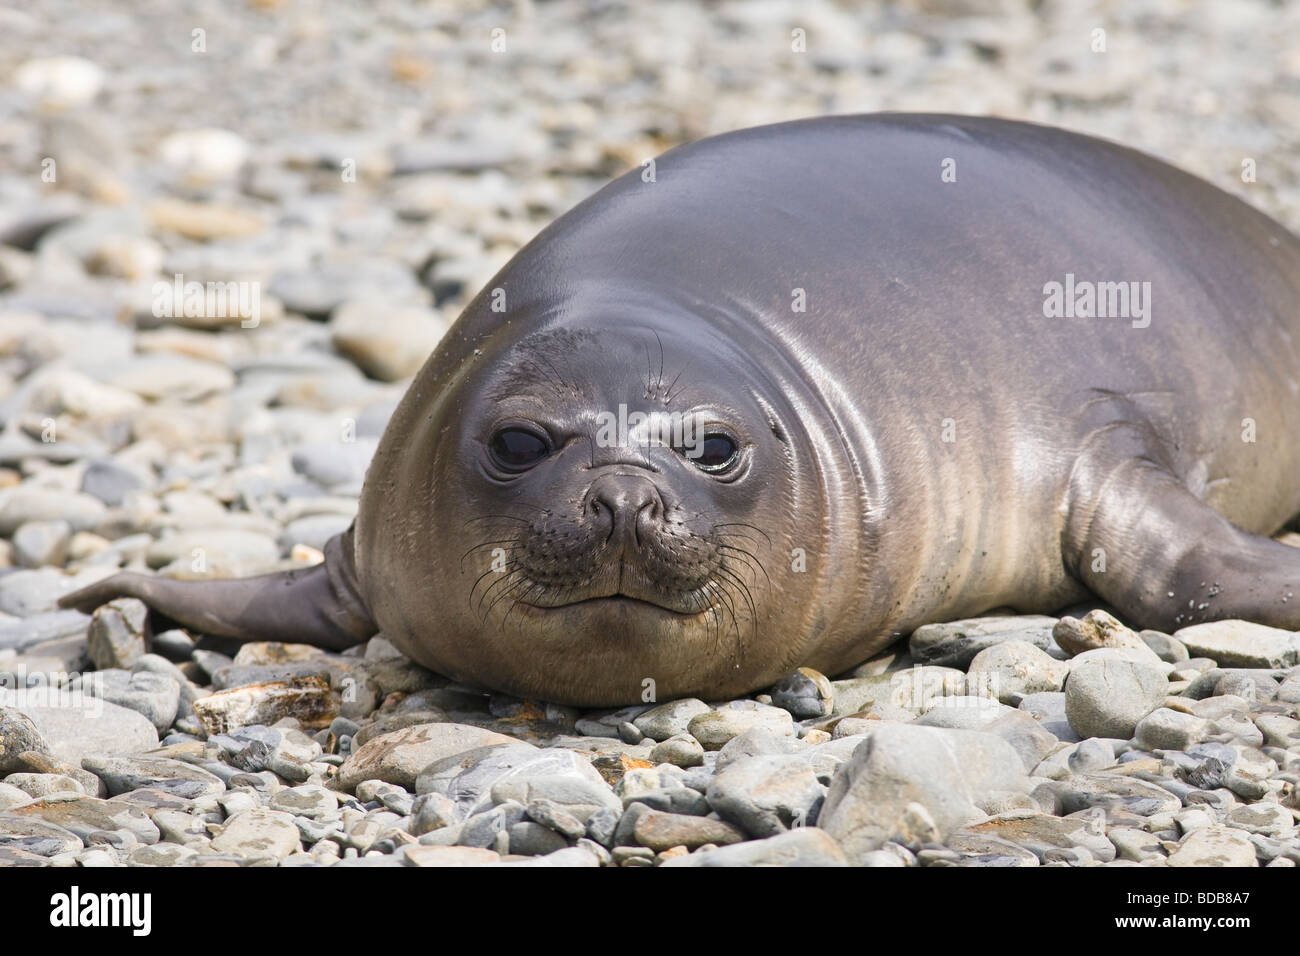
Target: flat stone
(662,831)
(669,719)
(305,801)
(32,835)
(1214,846)
(123,773)
(1267,819)
(84,816)
(258,833)
(1042,834)
(806,846)
(1241,644)
(716,727)
(156,697)
(962,713)
(448,856)
(400,756)
(955,643)
(1279,730)
(909,689)
(75,728)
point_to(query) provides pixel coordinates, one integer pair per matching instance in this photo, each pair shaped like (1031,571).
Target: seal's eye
(717,453)
(518,449)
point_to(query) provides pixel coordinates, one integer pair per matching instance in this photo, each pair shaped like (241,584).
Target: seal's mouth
(616,601)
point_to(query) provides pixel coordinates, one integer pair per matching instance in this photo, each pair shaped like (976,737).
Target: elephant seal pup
(810,386)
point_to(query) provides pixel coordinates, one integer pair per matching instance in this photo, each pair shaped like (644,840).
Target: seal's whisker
(514,572)
(750,560)
(745,524)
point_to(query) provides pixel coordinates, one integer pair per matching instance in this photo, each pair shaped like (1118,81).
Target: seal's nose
(620,503)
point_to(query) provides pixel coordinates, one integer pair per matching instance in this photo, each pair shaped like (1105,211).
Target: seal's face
(612,523)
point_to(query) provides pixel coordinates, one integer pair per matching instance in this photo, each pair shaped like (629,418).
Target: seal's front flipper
(318,605)
(1166,559)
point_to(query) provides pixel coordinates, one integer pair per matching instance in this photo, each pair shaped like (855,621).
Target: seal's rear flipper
(1166,559)
(318,605)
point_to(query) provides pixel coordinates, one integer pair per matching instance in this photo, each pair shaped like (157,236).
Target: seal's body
(907,368)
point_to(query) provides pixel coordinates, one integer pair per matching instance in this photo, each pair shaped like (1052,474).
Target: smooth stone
(1041,834)
(1266,819)
(909,689)
(26,503)
(805,693)
(1049,710)
(1134,844)
(1214,846)
(756,742)
(661,831)
(28,593)
(806,846)
(670,719)
(1027,736)
(448,856)
(715,727)
(44,784)
(1011,669)
(11,796)
(1167,649)
(1107,696)
(74,732)
(681,750)
(1241,644)
(305,801)
(33,835)
(18,733)
(258,833)
(519,773)
(1165,729)
(161,854)
(528,838)
(39,544)
(85,816)
(952,774)
(962,713)
(387,341)
(767,795)
(1279,730)
(156,697)
(956,643)
(123,773)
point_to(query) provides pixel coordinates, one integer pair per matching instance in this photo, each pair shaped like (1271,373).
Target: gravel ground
(364,169)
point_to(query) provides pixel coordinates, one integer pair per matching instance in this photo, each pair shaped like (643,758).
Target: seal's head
(599,515)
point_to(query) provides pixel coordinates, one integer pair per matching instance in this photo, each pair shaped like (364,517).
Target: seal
(788,393)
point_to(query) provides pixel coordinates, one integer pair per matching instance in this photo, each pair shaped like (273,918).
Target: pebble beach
(230,234)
